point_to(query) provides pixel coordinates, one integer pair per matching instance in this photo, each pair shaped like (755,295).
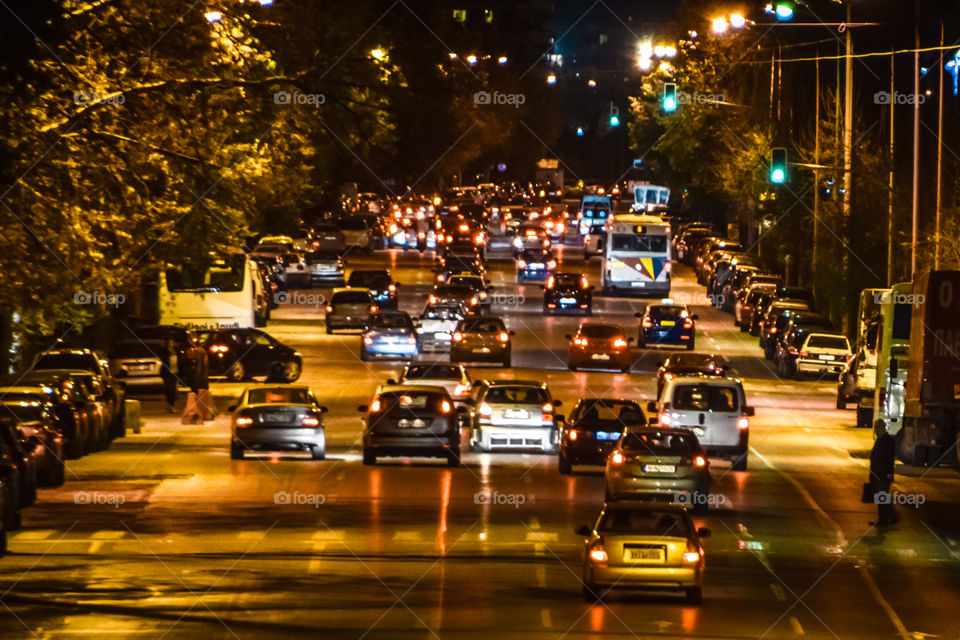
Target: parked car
(14,487)
(513,414)
(568,292)
(822,354)
(715,410)
(388,334)
(847,384)
(349,309)
(775,321)
(278,418)
(411,421)
(77,405)
(242,354)
(636,545)
(96,362)
(690,364)
(58,397)
(138,363)
(592,430)
(481,339)
(27,455)
(667,323)
(37,424)
(788,345)
(597,345)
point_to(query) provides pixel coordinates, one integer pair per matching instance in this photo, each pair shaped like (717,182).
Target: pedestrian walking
(168,373)
(882,460)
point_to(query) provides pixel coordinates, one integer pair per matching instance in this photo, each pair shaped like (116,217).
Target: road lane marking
(328,534)
(541,576)
(36,534)
(778,592)
(875,591)
(797,629)
(542,536)
(407,536)
(545,620)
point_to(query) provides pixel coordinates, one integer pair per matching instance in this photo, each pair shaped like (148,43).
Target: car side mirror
(582,530)
(695,317)
(512,332)
(363,408)
(391,382)
(557,403)
(638,315)
(652,406)
(703,532)
(232,408)
(749,411)
(323,409)
(568,337)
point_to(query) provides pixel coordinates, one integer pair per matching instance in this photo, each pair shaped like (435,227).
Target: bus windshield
(224,275)
(640,243)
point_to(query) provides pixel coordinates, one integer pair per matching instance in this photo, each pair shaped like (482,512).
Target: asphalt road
(163,536)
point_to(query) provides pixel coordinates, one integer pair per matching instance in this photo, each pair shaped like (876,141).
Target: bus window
(639,243)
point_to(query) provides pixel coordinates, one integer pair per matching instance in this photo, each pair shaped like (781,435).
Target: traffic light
(669,97)
(614,116)
(778,165)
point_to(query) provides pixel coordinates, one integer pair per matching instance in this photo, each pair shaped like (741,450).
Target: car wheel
(363,355)
(453,459)
(841,399)
(694,595)
(564,465)
(319,453)
(506,363)
(691,346)
(590,593)
(369,458)
(291,371)
(739,464)
(625,369)
(329,329)
(236,452)
(237,372)
(571,366)
(14,520)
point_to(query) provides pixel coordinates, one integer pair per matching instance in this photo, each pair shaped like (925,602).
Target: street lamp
(720,25)
(378,53)
(644,63)
(502,60)
(552,79)
(737,21)
(213,16)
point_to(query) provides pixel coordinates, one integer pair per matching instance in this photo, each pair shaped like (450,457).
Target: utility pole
(916,144)
(847,131)
(890,181)
(816,172)
(936,232)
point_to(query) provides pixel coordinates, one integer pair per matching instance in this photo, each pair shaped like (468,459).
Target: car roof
(515,383)
(636,505)
(704,380)
(346,289)
(417,388)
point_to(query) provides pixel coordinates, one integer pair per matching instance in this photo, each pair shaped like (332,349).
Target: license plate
(138,367)
(406,423)
(638,284)
(568,301)
(442,335)
(516,413)
(826,357)
(536,265)
(600,356)
(482,350)
(659,468)
(275,417)
(644,555)
(667,323)
(608,435)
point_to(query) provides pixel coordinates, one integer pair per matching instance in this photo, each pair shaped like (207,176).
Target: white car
(514,414)
(823,353)
(714,409)
(452,377)
(593,242)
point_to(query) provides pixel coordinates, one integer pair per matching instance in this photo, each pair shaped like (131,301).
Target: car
(388,334)
(535,265)
(436,325)
(326,268)
(296,273)
(476,283)
(636,545)
(568,292)
(27,456)
(822,354)
(349,309)
(788,345)
(102,411)
(594,241)
(138,363)
(690,364)
(592,430)
(59,395)
(667,323)
(481,339)
(381,285)
(716,410)
(96,362)
(531,235)
(451,377)
(513,414)
(465,262)
(242,354)
(461,294)
(414,421)
(327,237)
(748,300)
(659,463)
(356,233)
(37,424)
(597,345)
(775,321)
(15,485)
(277,418)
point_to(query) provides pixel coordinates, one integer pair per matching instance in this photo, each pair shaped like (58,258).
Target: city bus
(649,198)
(637,257)
(226,291)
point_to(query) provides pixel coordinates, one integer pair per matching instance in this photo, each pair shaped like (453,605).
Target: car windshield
(433,372)
(641,243)
(391,321)
(536,256)
(291,258)
(278,395)
(608,414)
(372,280)
(667,312)
(21,412)
(517,395)
(482,325)
(644,522)
(322,256)
(692,361)
(600,331)
(442,313)
(271,248)
(704,397)
(659,443)
(81,361)
(471,282)
(224,275)
(828,342)
(351,297)
(137,350)
(352,224)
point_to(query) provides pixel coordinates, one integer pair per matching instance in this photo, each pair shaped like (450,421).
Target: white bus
(649,198)
(227,292)
(637,257)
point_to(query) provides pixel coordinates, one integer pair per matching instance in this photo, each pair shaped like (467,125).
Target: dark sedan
(481,340)
(603,346)
(593,429)
(411,421)
(279,418)
(37,424)
(241,354)
(535,265)
(690,364)
(381,285)
(567,292)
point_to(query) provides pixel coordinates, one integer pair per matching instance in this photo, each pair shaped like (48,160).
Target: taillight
(392,288)
(584,282)
(560,227)
(421,235)
(552,264)
(616,458)
(444,406)
(461,390)
(503,336)
(580,341)
(743,423)
(219,348)
(411,340)
(547,407)
(457,336)
(647,322)
(482,295)
(464,227)
(573,434)
(688,323)
(693,553)
(773,329)
(598,553)
(804,354)
(373,308)
(486,410)
(474,301)
(329,308)
(550,282)
(432,299)
(619,343)
(522,263)
(375,406)
(449,238)
(665,420)
(367,340)
(310,421)
(243,421)
(699,461)
(668,376)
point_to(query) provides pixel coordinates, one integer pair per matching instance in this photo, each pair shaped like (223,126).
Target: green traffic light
(669,97)
(778,165)
(614,121)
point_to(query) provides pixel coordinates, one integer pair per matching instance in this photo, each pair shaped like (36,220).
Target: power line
(872,54)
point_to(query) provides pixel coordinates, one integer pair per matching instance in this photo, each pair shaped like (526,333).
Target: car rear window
(704,397)
(827,342)
(351,297)
(472,282)
(482,325)
(606,415)
(600,331)
(371,280)
(444,312)
(391,321)
(83,361)
(400,401)
(667,312)
(644,522)
(697,360)
(352,224)
(137,350)
(322,256)
(567,279)
(433,372)
(516,395)
(278,396)
(659,443)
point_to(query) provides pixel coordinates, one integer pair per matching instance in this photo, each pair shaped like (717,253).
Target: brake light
(665,419)
(688,323)
(804,354)
(598,553)
(692,554)
(444,406)
(619,343)
(503,336)
(546,243)
(449,238)
(375,406)
(550,282)
(699,461)
(483,295)
(560,227)
(373,308)
(616,458)
(668,376)
(243,421)
(647,322)
(552,264)
(486,410)
(461,390)
(432,299)
(479,238)
(668,267)
(743,423)
(411,340)
(474,300)
(457,336)
(584,282)
(329,308)
(393,229)
(219,348)
(392,288)
(580,341)
(522,263)
(367,340)
(547,407)
(773,329)
(311,421)
(573,434)
(441,277)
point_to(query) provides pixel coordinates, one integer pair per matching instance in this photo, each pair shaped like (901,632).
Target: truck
(868,327)
(893,345)
(549,172)
(928,433)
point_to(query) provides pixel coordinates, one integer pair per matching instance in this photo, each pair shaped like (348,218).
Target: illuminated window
(460,15)
(603,38)
(488,15)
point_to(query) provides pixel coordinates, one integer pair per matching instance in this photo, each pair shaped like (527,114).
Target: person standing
(882,460)
(168,373)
